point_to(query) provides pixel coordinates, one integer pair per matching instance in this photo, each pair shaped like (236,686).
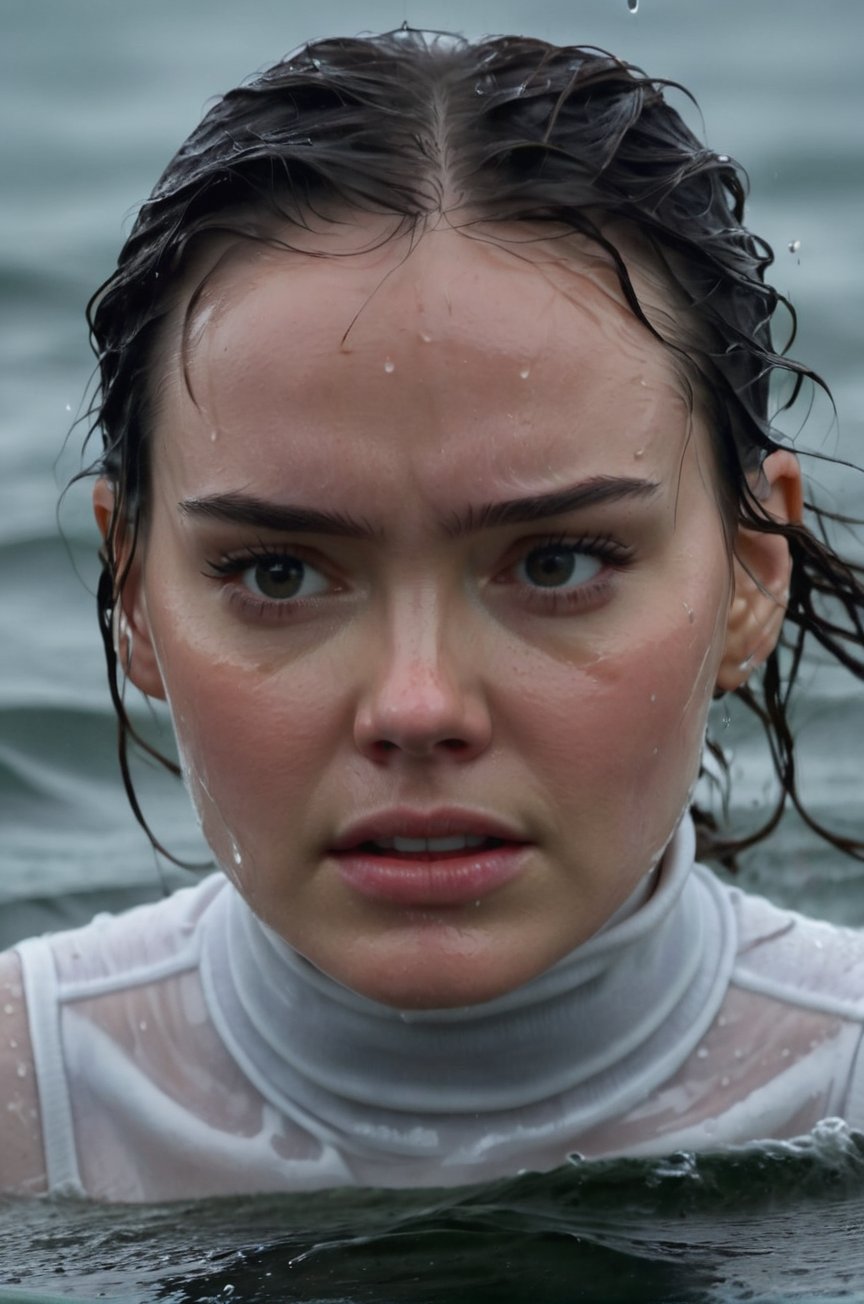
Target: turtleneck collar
(577,1045)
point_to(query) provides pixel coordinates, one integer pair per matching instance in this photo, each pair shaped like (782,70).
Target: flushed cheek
(629,726)
(253,750)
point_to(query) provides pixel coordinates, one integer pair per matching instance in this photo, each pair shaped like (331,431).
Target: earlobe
(762,572)
(132,633)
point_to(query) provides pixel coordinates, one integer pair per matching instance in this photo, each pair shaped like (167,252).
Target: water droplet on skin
(722,1021)
(8,1009)
(236,854)
(426,337)
(653,697)
(142,1025)
(739,1054)
(389,366)
(21,1070)
(640,452)
(632,6)
(785,1053)
(524,372)
(213,436)
(701,1053)
(724,1082)
(13,1043)
(794,246)
(691,614)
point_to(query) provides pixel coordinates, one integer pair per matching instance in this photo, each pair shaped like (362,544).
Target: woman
(439,499)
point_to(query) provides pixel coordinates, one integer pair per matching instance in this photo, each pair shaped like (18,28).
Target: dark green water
(94,95)
(766,1223)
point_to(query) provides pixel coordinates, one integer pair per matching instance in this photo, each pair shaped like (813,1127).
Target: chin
(433,977)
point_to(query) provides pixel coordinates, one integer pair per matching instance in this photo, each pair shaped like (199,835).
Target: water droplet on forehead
(389,366)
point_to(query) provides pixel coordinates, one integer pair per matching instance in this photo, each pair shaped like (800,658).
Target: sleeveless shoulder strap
(43,1012)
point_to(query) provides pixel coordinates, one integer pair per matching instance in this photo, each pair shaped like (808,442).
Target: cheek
(631,722)
(253,743)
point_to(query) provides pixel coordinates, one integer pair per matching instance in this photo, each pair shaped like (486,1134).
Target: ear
(133,637)
(762,570)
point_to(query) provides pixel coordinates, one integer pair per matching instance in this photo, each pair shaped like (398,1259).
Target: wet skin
(551,673)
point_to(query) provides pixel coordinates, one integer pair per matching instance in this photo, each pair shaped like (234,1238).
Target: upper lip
(442,823)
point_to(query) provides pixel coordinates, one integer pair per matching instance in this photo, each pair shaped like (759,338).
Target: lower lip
(452,879)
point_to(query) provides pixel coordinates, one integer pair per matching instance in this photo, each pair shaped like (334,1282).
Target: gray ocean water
(94,96)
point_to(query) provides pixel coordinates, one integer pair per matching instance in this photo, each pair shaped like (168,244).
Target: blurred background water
(94,97)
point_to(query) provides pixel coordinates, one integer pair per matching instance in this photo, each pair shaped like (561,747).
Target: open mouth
(429,848)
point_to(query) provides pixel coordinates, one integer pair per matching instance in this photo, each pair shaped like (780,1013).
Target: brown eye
(281,578)
(558,566)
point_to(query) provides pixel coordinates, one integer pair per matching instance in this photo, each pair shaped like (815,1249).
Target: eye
(558,566)
(278,578)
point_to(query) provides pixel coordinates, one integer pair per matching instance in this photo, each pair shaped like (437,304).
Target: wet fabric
(183,1049)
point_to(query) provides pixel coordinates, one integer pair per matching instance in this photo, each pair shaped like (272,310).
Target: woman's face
(434,553)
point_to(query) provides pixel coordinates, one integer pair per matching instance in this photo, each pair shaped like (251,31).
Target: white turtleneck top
(183,1049)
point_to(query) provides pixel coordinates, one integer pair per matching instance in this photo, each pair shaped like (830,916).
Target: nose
(423,697)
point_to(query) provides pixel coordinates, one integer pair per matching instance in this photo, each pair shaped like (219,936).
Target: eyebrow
(248,509)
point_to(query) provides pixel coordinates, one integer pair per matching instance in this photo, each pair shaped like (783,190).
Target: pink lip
(430,878)
(401,822)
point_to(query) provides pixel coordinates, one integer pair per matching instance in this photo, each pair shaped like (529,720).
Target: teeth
(458,842)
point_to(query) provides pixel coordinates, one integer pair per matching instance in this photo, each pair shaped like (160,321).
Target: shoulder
(791,957)
(146,942)
(22,1164)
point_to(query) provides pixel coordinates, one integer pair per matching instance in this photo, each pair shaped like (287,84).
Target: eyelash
(233,565)
(616,556)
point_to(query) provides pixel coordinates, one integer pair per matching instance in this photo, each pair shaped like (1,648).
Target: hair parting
(419,125)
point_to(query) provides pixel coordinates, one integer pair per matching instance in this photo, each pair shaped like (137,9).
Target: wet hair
(511,129)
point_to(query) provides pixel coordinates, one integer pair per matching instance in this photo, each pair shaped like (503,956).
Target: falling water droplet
(633,6)
(524,372)
(389,366)
(794,246)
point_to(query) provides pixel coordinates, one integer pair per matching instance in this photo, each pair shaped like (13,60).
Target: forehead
(498,337)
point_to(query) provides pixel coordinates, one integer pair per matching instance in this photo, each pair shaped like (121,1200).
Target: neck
(566,1050)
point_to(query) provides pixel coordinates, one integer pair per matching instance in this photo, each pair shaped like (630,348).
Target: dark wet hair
(510,129)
